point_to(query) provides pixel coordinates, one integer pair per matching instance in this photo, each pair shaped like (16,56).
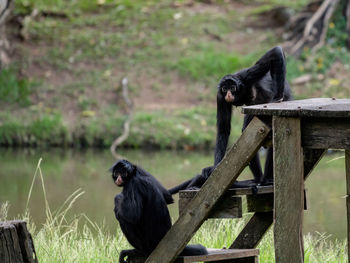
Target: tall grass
(78,239)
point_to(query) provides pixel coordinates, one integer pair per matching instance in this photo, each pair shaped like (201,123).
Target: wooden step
(217,255)
(230,206)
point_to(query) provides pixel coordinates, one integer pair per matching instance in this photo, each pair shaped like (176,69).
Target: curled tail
(179,187)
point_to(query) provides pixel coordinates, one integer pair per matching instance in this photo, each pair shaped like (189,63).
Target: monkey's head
(122,172)
(232,89)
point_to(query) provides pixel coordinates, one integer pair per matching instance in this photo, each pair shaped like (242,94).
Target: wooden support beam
(347,167)
(254,230)
(289,190)
(220,180)
(311,159)
(259,223)
(317,133)
(229,206)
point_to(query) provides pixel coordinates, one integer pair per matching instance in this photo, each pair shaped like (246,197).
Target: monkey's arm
(223,123)
(273,61)
(128,206)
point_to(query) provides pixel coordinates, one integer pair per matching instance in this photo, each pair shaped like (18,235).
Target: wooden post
(219,181)
(16,244)
(347,167)
(289,187)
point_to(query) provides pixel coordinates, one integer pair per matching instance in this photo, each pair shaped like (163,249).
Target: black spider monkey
(142,212)
(264,82)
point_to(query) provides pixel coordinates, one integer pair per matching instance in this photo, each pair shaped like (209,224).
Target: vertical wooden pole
(289,190)
(347,167)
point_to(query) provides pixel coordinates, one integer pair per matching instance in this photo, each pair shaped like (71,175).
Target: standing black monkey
(142,212)
(264,82)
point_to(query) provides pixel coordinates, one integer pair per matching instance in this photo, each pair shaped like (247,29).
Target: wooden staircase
(216,200)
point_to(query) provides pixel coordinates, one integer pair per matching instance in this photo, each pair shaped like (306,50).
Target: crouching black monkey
(264,82)
(142,212)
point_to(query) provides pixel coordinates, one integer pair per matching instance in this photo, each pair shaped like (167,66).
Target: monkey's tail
(194,250)
(179,187)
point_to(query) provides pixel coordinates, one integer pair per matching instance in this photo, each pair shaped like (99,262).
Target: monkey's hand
(278,100)
(206,172)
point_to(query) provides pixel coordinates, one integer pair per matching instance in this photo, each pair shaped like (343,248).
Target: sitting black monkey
(142,212)
(264,82)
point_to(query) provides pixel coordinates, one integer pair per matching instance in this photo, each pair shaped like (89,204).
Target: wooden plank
(239,260)
(232,191)
(311,159)
(320,107)
(219,255)
(254,230)
(260,203)
(289,190)
(214,255)
(347,167)
(220,180)
(228,207)
(325,133)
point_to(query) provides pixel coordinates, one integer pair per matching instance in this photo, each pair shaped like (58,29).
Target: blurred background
(62,97)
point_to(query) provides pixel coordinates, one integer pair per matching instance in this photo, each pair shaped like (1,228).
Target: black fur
(264,82)
(141,209)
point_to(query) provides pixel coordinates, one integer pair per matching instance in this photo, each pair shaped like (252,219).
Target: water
(66,171)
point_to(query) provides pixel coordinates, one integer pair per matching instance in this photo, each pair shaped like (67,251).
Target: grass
(14,89)
(75,238)
(176,129)
(82,55)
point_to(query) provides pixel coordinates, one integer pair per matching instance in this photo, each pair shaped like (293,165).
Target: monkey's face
(122,172)
(231,89)
(119,179)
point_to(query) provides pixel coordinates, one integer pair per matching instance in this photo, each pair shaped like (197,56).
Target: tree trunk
(16,244)
(5,9)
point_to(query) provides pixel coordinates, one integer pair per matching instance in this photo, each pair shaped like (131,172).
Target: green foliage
(48,129)
(42,131)
(210,63)
(14,88)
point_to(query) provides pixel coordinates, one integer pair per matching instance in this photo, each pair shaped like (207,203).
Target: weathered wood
(347,167)
(260,203)
(233,191)
(239,260)
(16,244)
(311,159)
(324,133)
(220,180)
(214,255)
(254,230)
(324,107)
(259,223)
(229,207)
(289,186)
(10,250)
(221,255)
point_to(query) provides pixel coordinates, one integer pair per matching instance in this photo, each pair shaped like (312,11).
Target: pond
(65,171)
